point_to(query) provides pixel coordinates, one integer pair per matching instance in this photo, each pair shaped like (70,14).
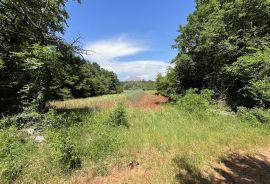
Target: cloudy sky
(133,38)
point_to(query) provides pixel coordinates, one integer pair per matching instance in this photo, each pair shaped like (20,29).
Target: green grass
(172,133)
(157,139)
(135,95)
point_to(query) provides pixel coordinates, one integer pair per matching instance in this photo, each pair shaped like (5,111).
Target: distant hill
(135,79)
(139,84)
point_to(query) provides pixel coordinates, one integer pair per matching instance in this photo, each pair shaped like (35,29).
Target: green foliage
(165,85)
(20,120)
(37,66)
(1,64)
(24,24)
(162,85)
(198,142)
(63,152)
(118,116)
(195,101)
(94,81)
(251,79)
(12,155)
(254,115)
(224,34)
(43,70)
(139,85)
(56,120)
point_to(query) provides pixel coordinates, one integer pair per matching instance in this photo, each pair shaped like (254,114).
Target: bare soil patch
(148,101)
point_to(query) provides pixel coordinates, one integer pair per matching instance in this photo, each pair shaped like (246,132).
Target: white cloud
(116,47)
(146,69)
(109,52)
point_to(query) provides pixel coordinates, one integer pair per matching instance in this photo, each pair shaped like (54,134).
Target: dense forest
(225,47)
(36,65)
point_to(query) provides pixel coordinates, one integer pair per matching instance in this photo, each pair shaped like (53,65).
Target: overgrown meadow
(85,142)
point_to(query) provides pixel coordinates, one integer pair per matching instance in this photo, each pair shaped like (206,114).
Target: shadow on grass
(66,118)
(188,173)
(77,110)
(236,169)
(245,170)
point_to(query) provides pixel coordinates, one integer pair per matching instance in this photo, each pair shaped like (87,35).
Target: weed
(153,138)
(254,115)
(63,151)
(20,120)
(13,151)
(54,120)
(118,116)
(103,145)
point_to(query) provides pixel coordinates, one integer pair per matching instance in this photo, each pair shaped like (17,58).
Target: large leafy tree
(249,79)
(24,23)
(217,34)
(36,65)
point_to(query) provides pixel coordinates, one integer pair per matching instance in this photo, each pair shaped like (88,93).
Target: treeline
(135,85)
(225,47)
(36,65)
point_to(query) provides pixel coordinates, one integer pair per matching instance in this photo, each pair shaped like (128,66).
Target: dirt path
(236,169)
(243,169)
(148,101)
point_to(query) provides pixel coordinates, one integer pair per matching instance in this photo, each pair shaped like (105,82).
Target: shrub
(249,79)
(55,120)
(164,84)
(195,101)
(118,116)
(254,115)
(12,155)
(63,151)
(20,120)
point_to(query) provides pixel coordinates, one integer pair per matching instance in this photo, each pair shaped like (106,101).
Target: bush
(63,151)
(118,116)
(55,120)
(254,115)
(12,155)
(249,79)
(195,101)
(20,120)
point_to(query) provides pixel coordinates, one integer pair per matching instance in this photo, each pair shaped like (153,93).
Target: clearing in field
(167,144)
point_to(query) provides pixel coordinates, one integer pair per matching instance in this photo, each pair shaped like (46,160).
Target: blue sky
(131,37)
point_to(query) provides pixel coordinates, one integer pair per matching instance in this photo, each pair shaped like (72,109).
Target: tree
(217,34)
(24,23)
(248,80)
(36,65)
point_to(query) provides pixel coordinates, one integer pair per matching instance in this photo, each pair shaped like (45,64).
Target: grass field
(162,144)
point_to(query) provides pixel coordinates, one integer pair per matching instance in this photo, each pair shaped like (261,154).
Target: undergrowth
(97,140)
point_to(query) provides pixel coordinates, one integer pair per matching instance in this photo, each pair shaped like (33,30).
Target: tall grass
(160,140)
(90,103)
(171,133)
(134,96)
